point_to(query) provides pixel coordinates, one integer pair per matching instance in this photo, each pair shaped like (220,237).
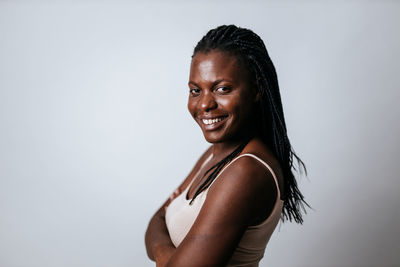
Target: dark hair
(250,49)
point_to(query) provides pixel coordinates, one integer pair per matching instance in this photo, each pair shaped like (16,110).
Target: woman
(225,211)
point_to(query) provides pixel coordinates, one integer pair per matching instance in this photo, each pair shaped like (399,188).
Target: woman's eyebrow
(219,81)
(192,83)
(213,84)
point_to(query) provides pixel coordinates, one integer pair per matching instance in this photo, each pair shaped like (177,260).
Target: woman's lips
(213,123)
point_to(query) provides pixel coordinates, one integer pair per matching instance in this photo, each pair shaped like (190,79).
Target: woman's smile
(212,123)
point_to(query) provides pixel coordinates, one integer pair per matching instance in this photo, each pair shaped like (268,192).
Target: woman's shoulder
(255,166)
(247,180)
(259,149)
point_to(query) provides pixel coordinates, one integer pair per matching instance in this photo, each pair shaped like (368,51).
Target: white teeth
(211,121)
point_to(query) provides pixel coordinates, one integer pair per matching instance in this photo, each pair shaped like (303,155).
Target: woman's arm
(243,195)
(158,242)
(159,246)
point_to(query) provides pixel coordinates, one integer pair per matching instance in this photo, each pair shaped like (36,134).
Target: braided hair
(250,49)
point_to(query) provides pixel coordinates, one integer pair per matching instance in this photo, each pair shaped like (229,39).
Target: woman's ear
(257,88)
(257,96)
(256,93)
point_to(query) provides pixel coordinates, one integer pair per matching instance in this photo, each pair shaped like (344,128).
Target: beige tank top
(180,217)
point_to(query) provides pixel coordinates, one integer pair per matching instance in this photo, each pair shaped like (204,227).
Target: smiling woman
(225,211)
(221,98)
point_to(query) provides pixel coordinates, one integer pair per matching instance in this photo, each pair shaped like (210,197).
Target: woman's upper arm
(232,203)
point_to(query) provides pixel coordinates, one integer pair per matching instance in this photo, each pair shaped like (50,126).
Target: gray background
(94,131)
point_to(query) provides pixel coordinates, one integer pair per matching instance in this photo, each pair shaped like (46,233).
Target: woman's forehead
(216,56)
(215,64)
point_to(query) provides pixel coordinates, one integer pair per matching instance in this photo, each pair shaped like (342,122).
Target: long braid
(250,48)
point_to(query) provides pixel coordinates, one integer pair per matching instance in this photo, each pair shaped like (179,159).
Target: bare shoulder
(260,150)
(245,175)
(249,184)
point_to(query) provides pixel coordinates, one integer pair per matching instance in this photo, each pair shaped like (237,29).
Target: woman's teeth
(211,121)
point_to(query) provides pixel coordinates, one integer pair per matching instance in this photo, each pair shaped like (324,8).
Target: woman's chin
(212,138)
(215,137)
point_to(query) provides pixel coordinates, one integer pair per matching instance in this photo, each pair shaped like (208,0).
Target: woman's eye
(223,89)
(194,91)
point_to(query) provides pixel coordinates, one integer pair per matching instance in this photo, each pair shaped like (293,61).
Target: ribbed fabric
(180,217)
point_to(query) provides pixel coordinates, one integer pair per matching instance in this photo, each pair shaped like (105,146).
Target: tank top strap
(262,162)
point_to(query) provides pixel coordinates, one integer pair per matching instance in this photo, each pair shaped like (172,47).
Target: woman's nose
(207,102)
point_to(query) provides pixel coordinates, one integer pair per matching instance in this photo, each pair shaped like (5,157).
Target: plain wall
(94,131)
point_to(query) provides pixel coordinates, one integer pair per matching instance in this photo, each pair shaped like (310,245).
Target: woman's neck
(223,149)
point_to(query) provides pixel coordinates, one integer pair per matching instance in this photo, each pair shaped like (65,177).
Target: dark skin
(222,101)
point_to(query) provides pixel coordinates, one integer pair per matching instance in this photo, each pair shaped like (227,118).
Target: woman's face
(221,98)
